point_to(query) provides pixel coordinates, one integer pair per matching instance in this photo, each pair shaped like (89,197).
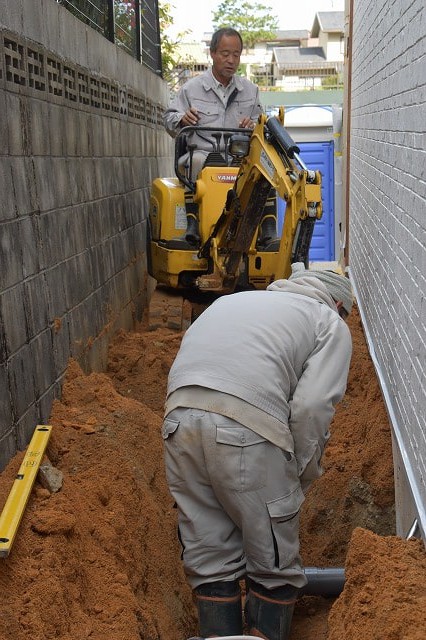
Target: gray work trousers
(198,160)
(238,498)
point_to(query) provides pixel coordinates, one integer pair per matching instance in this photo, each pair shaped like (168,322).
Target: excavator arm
(271,161)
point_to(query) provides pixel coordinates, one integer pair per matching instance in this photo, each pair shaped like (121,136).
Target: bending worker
(221,99)
(250,398)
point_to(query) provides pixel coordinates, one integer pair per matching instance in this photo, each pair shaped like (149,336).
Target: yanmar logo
(225,177)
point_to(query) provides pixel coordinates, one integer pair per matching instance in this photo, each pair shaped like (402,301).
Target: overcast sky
(196,15)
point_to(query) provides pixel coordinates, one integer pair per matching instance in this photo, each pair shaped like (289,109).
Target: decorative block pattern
(14,53)
(43,71)
(36,70)
(75,177)
(70,84)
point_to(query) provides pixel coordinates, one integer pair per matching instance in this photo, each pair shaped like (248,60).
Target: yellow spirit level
(21,489)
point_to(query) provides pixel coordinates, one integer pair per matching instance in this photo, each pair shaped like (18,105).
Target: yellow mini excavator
(204,233)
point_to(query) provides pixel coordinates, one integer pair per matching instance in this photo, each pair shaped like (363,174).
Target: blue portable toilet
(311,127)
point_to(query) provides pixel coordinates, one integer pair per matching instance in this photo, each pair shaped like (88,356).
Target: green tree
(334,81)
(254,22)
(170,58)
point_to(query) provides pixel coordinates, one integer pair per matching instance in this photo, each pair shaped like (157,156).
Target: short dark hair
(218,35)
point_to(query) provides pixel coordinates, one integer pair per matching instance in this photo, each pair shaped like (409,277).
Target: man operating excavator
(250,398)
(218,98)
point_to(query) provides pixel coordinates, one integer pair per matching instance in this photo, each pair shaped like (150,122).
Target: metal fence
(132,25)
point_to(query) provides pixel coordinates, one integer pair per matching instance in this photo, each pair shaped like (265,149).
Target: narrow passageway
(100,558)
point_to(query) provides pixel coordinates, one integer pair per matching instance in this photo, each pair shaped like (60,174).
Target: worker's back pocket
(240,459)
(169,427)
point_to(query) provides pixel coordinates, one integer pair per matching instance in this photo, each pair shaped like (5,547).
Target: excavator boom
(269,164)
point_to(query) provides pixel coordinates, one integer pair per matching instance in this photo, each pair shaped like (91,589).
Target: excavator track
(171,309)
(168,309)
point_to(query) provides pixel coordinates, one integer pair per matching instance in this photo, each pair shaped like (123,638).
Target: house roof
(293,55)
(292,34)
(194,51)
(329,22)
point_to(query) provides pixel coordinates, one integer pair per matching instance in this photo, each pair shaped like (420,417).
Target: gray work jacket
(284,351)
(201,92)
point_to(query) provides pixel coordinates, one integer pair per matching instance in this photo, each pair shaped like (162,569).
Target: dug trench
(100,558)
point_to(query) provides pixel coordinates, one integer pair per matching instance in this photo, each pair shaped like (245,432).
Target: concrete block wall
(80,142)
(387,224)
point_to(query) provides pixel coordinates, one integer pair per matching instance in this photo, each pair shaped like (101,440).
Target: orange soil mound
(385,593)
(100,559)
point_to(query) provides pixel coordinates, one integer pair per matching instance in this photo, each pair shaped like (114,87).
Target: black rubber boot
(219,609)
(192,235)
(269,612)
(191,238)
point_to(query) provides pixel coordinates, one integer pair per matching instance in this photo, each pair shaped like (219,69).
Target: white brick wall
(387,227)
